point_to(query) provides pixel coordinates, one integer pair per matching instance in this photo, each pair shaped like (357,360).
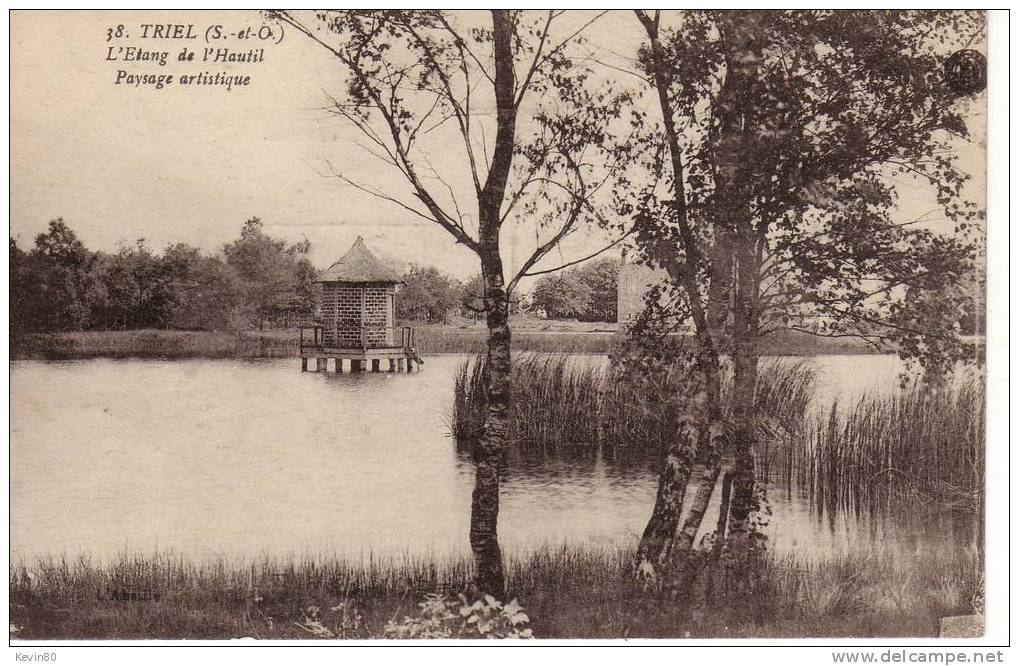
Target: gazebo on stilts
(356,322)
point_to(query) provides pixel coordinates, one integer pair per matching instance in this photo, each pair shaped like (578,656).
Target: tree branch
(438,214)
(581,260)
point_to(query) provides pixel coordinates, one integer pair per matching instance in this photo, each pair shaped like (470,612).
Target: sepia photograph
(423,326)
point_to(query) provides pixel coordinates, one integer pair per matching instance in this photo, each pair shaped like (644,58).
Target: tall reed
(922,443)
(563,401)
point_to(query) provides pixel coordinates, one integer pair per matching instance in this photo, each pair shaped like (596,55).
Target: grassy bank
(567,592)
(158,343)
(440,339)
(154,343)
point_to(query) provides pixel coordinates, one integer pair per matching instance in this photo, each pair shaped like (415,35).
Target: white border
(806,651)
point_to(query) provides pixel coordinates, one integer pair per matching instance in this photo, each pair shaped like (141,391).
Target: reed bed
(888,453)
(568,591)
(785,393)
(922,444)
(558,401)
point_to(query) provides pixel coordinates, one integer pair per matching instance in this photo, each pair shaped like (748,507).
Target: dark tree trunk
(674,473)
(723,515)
(709,477)
(489,452)
(744,500)
(734,105)
(710,335)
(661,530)
(720,288)
(720,530)
(745,358)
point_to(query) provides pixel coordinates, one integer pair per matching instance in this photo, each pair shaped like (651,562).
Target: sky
(191,165)
(177,164)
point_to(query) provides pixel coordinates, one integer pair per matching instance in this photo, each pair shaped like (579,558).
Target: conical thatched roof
(358,265)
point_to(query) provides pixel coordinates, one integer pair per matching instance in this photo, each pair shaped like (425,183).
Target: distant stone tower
(633,282)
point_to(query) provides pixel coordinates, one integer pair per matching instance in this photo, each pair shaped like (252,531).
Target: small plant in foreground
(348,624)
(486,617)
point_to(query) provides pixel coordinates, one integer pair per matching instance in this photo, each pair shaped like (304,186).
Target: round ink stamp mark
(966,72)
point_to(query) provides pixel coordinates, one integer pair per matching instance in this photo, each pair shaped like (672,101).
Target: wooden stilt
(320,364)
(392,365)
(375,365)
(304,364)
(339,366)
(410,366)
(399,365)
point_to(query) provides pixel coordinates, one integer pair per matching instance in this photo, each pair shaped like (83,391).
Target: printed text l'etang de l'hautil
(186,56)
(158,81)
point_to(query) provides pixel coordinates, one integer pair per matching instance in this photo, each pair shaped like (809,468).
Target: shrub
(440,617)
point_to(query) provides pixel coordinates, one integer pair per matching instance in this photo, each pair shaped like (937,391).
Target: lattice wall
(346,308)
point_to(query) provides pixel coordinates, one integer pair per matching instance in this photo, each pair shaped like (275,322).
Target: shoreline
(171,344)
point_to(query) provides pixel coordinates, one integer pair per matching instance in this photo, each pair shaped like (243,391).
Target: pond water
(254,458)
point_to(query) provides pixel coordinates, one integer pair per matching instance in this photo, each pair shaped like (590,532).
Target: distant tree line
(585,293)
(60,285)
(427,295)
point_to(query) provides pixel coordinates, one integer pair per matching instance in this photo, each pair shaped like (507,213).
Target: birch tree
(528,124)
(778,148)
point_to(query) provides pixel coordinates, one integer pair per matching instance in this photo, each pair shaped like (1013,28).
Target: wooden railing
(402,337)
